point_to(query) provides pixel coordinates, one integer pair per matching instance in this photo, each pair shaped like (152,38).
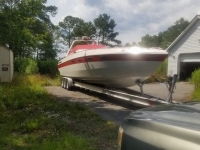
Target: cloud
(134,18)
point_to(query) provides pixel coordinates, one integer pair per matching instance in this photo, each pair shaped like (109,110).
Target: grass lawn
(30,118)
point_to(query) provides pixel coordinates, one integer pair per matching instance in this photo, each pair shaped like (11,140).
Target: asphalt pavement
(182,91)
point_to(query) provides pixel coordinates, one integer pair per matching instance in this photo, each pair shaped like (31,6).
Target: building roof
(195,19)
(5,47)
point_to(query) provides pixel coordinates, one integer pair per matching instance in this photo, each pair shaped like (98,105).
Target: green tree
(134,44)
(72,27)
(23,24)
(150,41)
(84,29)
(46,48)
(57,39)
(173,32)
(127,45)
(164,39)
(67,26)
(105,29)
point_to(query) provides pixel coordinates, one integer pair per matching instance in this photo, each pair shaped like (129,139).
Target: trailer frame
(139,98)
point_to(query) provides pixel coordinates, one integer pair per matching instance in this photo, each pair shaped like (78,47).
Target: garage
(184,52)
(188,64)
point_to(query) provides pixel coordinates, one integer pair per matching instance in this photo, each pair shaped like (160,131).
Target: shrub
(20,65)
(162,70)
(160,73)
(195,79)
(32,67)
(25,65)
(48,67)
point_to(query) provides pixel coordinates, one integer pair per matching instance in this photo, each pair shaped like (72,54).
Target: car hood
(186,115)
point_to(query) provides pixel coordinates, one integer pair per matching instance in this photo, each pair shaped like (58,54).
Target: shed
(184,52)
(6,64)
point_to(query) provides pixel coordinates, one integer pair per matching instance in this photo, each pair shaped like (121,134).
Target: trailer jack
(140,83)
(171,81)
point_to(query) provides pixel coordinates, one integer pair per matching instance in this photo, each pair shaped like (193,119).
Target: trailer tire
(68,87)
(68,84)
(63,83)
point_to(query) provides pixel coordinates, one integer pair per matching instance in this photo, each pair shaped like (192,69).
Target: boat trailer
(138,98)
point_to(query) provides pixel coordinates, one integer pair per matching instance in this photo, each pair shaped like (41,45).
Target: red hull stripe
(115,57)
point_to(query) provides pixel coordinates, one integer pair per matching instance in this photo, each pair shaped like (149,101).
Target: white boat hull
(113,71)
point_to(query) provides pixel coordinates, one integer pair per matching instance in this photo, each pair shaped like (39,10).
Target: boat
(116,67)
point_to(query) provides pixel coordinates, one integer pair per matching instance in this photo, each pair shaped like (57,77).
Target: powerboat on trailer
(116,67)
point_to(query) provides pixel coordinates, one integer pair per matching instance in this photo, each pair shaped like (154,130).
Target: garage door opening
(186,69)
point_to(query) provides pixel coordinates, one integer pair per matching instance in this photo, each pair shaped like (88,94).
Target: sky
(134,18)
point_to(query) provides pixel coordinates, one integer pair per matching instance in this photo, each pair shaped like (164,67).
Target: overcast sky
(134,18)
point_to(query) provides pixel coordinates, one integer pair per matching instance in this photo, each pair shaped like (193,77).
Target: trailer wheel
(68,84)
(63,83)
(68,87)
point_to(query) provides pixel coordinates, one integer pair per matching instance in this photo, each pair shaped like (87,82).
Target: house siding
(189,43)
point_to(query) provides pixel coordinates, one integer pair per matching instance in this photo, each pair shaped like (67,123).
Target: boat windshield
(81,43)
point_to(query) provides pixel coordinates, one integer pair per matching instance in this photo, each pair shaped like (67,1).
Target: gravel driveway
(114,109)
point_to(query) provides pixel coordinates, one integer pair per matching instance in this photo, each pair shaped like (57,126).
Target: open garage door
(194,57)
(188,63)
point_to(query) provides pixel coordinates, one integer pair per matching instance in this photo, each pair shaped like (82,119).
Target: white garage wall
(189,43)
(193,57)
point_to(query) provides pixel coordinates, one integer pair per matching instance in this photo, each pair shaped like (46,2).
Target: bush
(25,65)
(160,73)
(48,67)
(195,79)
(30,66)
(20,65)
(162,70)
